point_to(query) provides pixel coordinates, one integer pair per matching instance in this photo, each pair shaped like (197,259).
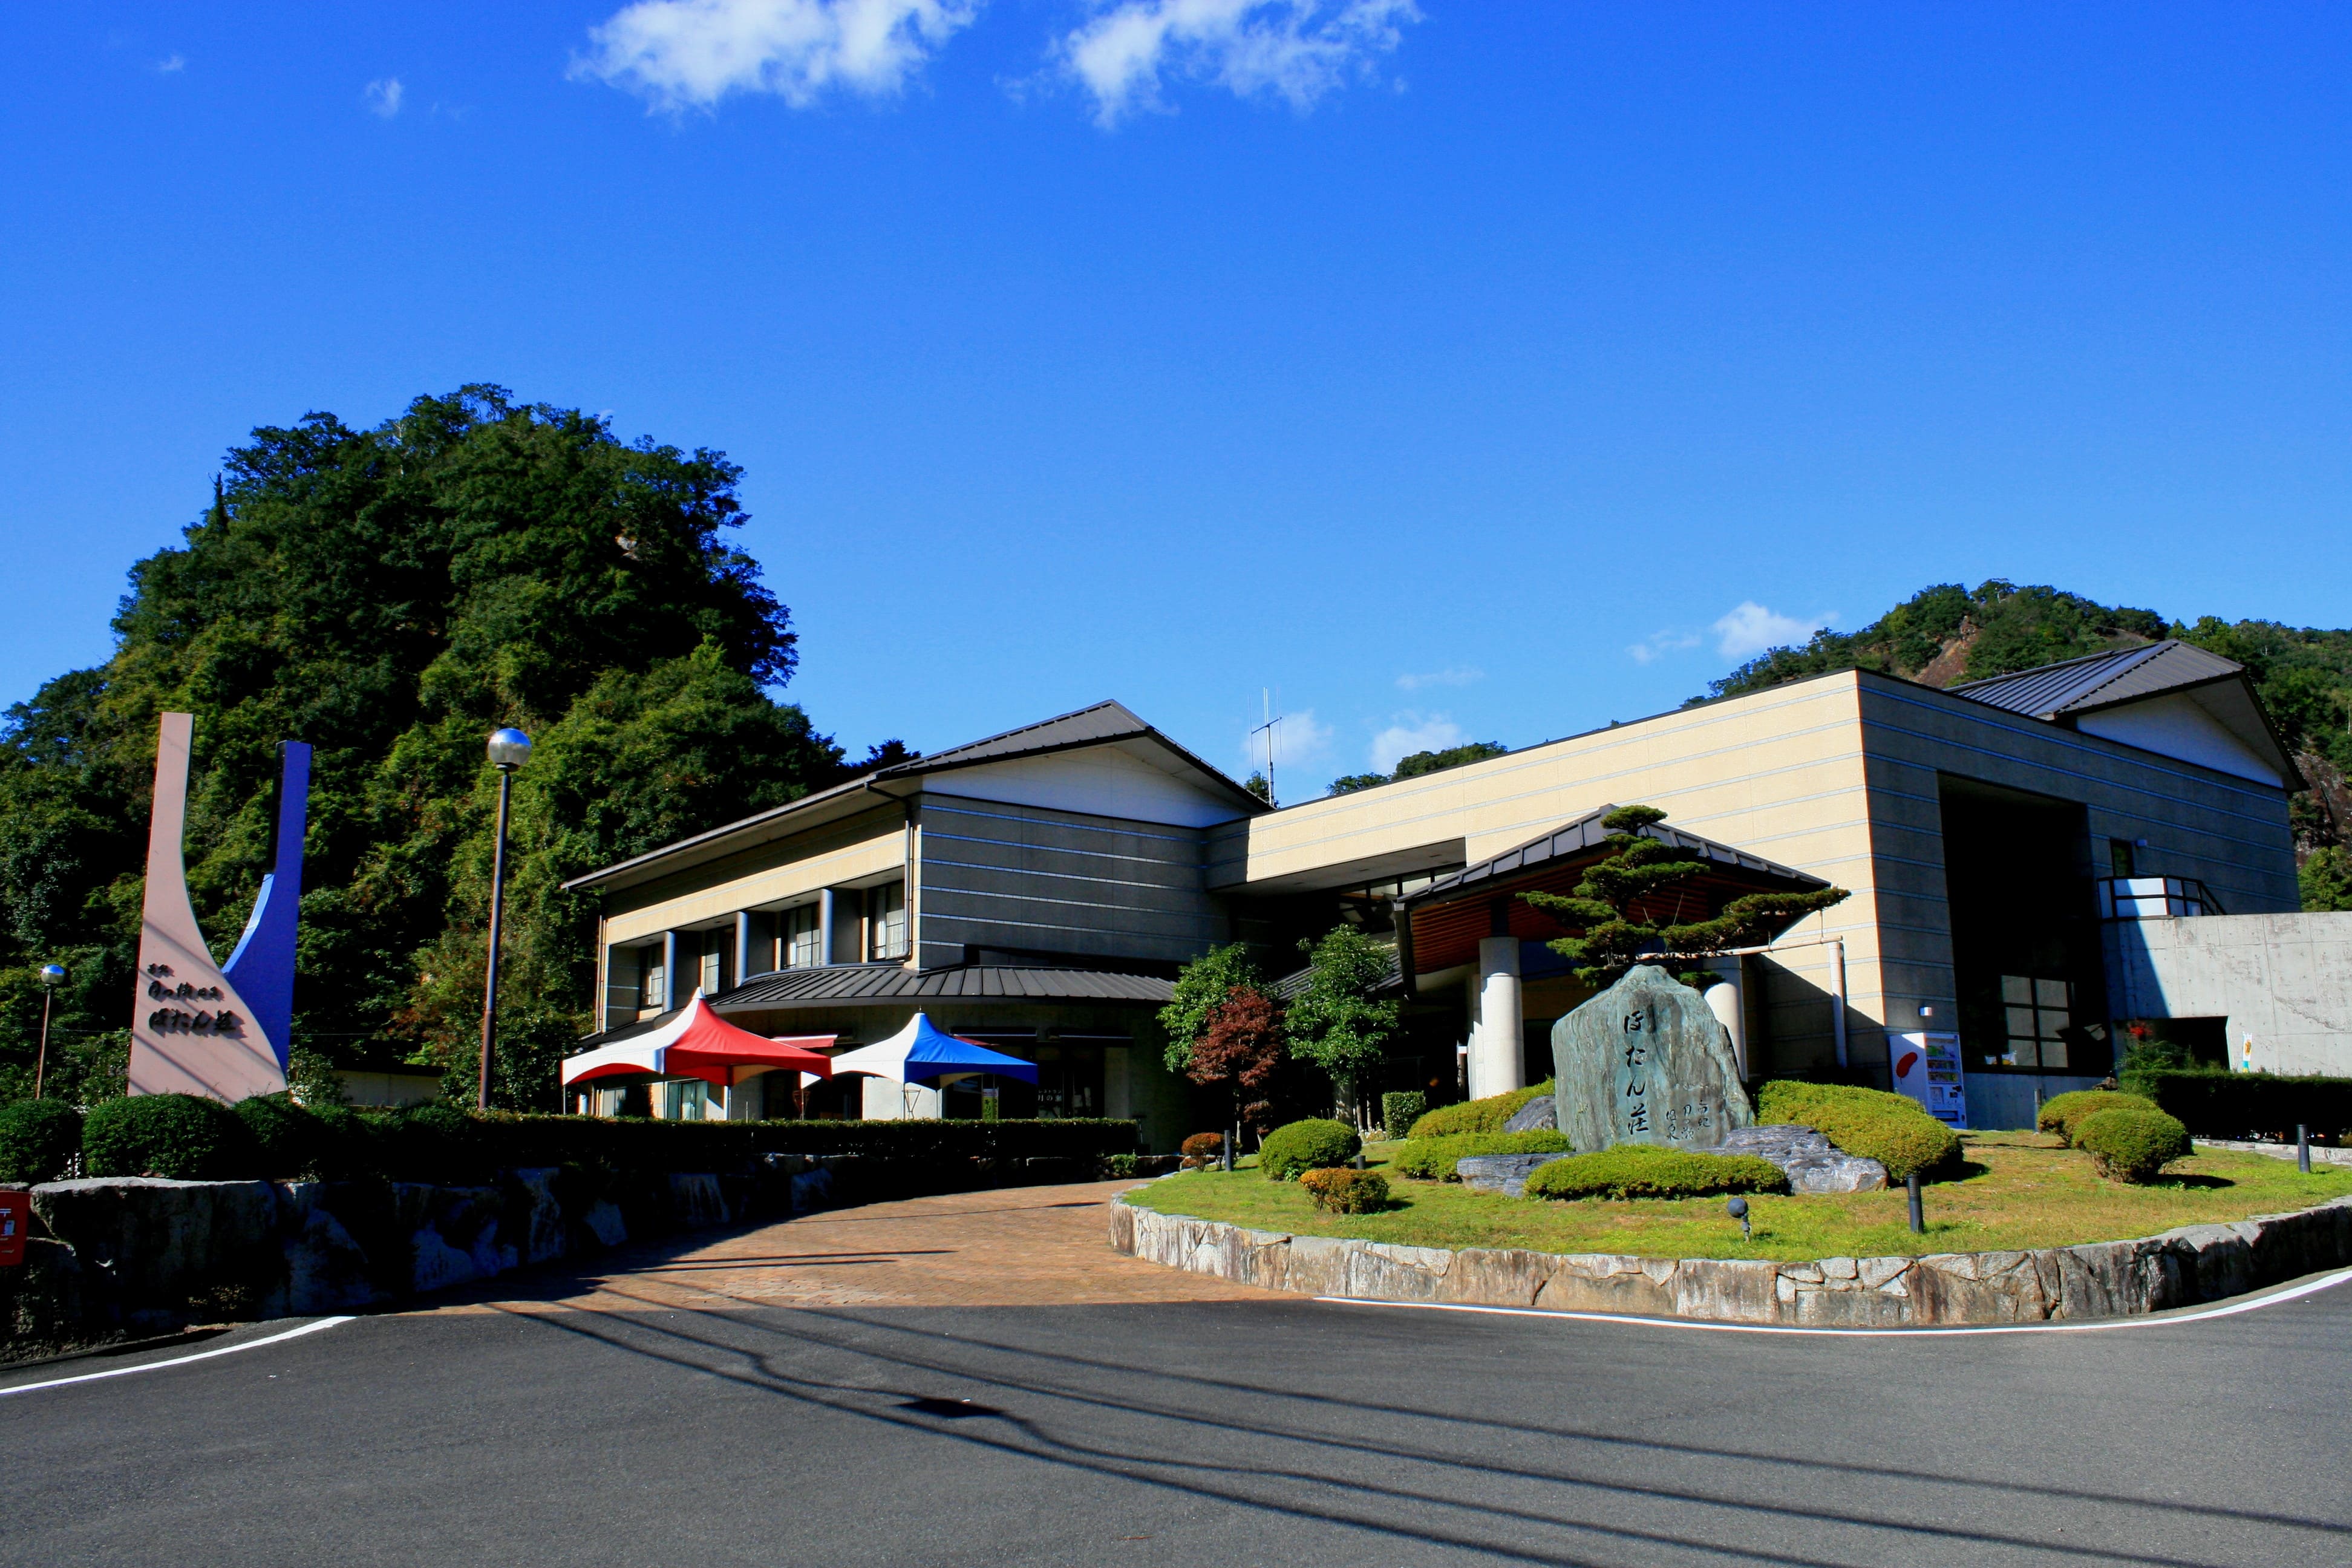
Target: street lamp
(509,750)
(52,976)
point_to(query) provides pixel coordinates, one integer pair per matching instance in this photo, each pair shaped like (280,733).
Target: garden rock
(1646,1061)
(1813,1164)
(1504,1173)
(1536,1116)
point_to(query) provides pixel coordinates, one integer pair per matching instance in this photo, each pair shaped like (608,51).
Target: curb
(2182,1268)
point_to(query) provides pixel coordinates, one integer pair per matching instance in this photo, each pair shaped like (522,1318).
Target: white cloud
(383,97)
(1296,50)
(172,64)
(1457,675)
(689,54)
(1657,644)
(1750,628)
(1410,732)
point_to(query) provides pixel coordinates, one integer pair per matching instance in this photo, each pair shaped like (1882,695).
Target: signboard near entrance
(1927,1068)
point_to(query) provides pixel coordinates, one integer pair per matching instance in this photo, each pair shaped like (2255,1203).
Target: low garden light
(509,750)
(54,975)
(1918,1220)
(1737,1209)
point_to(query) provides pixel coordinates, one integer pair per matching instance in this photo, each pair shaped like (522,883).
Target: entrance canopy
(921,1053)
(699,1043)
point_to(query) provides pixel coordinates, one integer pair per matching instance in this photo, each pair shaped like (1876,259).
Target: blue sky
(1460,371)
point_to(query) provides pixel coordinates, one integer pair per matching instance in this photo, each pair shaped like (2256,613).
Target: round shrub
(1342,1190)
(287,1136)
(349,1144)
(1892,1128)
(1654,1170)
(1431,1159)
(2060,1113)
(2129,1144)
(183,1136)
(37,1137)
(1314,1145)
(1486,1115)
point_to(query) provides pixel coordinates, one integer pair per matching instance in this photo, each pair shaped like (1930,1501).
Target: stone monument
(1646,1061)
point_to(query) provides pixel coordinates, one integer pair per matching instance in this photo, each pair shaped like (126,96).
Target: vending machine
(1927,1068)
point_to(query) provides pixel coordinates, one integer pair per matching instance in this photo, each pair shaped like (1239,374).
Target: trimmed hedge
(1400,1109)
(1339,1190)
(2061,1113)
(2132,1145)
(1486,1115)
(183,1136)
(1654,1170)
(1431,1159)
(37,1137)
(1310,1146)
(1892,1128)
(2250,1104)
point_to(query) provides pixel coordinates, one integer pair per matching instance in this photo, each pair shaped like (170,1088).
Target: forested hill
(1948,634)
(390,596)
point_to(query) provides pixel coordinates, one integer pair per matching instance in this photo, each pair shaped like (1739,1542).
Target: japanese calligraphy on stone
(1646,1062)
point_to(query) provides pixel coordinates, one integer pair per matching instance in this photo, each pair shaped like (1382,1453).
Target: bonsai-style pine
(1611,906)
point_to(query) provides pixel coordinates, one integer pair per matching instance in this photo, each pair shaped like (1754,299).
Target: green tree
(2327,879)
(1336,1023)
(1201,987)
(389,595)
(1614,903)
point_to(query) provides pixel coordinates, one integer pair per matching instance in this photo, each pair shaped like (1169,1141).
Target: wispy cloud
(1298,740)
(1410,732)
(383,97)
(1296,50)
(171,64)
(1657,644)
(689,54)
(1457,675)
(1750,628)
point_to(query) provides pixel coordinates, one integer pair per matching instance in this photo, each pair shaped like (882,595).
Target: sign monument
(219,1030)
(1646,1061)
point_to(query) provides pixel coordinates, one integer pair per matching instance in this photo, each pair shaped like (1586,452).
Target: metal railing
(2154,898)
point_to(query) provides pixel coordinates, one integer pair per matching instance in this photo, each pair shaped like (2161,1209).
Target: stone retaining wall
(2105,1279)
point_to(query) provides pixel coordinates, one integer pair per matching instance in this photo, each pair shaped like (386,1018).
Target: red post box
(16,1219)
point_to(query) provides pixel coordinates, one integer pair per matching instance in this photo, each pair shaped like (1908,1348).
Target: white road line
(179,1361)
(2309,1286)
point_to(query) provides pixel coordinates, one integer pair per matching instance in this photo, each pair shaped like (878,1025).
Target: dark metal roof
(885,984)
(1583,836)
(1105,723)
(1293,985)
(2101,679)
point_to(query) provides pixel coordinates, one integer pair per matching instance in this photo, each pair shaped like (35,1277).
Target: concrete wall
(2283,981)
(995,874)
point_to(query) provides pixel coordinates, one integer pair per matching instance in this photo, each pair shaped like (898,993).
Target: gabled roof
(882,983)
(2067,692)
(1582,837)
(1104,724)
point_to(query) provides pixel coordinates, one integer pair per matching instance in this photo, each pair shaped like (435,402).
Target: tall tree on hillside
(390,596)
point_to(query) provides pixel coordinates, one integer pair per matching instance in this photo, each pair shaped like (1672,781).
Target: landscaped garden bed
(2020,1190)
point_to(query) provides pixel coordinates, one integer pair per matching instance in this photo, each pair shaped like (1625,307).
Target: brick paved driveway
(1018,1246)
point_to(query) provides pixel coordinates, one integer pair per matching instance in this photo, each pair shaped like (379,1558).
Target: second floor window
(803,938)
(885,922)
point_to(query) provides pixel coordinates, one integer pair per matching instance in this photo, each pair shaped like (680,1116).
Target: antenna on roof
(1267,729)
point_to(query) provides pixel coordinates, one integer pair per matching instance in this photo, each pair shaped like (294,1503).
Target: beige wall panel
(827,858)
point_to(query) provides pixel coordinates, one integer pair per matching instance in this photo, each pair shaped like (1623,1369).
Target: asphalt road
(1277,1431)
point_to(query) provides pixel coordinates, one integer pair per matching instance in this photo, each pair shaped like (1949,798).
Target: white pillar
(1722,1001)
(1497,1056)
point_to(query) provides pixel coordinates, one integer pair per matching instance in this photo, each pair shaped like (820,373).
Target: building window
(687,1102)
(714,963)
(885,922)
(803,938)
(2121,861)
(2037,1010)
(653,990)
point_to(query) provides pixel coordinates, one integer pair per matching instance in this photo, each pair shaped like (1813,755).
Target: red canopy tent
(699,1043)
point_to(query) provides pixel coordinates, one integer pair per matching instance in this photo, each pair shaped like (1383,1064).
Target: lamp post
(509,750)
(52,976)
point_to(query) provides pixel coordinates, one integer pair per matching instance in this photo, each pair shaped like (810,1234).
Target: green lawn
(2022,1191)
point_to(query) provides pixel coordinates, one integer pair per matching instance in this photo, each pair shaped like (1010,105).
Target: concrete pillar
(742,946)
(1497,1056)
(1724,1002)
(826,906)
(672,994)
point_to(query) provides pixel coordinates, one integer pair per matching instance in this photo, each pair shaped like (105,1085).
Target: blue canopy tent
(923,1053)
